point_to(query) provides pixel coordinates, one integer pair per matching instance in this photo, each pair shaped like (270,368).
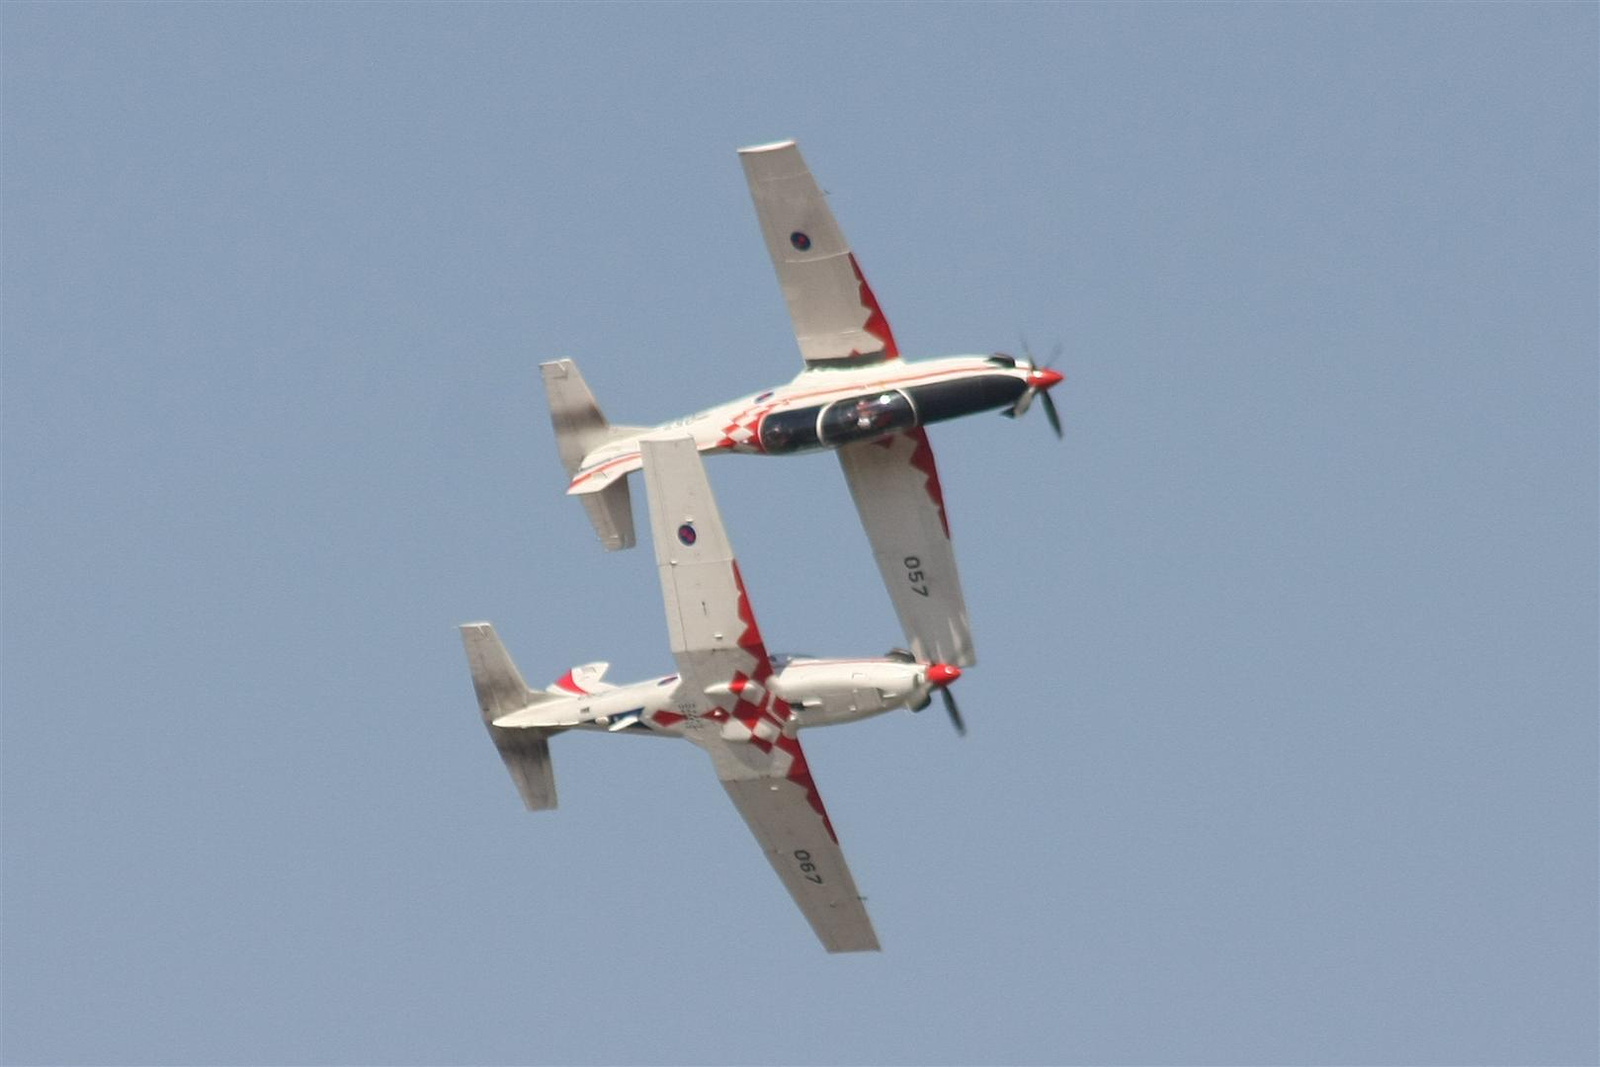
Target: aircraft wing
(836,317)
(724,671)
(713,632)
(775,793)
(896,488)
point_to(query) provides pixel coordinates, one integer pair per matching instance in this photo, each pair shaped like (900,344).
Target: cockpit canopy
(863,417)
(857,418)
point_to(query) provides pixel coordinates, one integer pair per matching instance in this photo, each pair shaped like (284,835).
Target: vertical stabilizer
(501,691)
(580,429)
(579,425)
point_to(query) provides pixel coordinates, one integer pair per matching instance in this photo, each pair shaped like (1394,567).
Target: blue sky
(1283,733)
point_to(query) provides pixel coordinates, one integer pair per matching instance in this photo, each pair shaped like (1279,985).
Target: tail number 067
(807,869)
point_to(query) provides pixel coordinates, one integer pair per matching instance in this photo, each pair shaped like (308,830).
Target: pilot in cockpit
(872,412)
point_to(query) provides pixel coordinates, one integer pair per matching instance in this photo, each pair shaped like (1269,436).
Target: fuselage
(816,692)
(829,407)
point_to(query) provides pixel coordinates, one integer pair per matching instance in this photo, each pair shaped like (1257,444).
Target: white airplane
(855,395)
(729,697)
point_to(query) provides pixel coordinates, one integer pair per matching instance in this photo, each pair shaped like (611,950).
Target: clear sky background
(1283,733)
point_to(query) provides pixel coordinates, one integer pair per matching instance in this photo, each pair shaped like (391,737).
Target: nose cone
(943,674)
(1043,378)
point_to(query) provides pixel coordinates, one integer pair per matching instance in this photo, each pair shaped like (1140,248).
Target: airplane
(744,706)
(855,395)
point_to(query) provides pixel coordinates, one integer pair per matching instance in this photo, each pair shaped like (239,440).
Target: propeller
(955,715)
(940,675)
(1040,379)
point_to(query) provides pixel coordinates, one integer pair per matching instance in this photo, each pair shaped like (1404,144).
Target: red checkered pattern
(740,432)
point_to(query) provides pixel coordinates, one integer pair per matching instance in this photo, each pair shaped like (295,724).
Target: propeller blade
(1055,354)
(955,716)
(1050,411)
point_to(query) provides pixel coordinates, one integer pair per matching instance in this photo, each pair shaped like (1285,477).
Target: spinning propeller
(1040,379)
(939,677)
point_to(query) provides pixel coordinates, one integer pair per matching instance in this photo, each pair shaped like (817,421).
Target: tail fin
(579,425)
(580,429)
(501,691)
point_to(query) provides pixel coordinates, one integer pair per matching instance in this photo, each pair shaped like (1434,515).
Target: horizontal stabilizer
(549,716)
(557,715)
(583,679)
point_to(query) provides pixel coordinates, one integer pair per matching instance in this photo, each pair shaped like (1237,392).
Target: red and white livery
(729,696)
(855,395)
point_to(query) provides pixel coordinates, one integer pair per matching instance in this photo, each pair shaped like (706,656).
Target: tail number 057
(915,575)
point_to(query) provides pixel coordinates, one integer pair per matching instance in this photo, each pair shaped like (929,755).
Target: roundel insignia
(686,534)
(800,240)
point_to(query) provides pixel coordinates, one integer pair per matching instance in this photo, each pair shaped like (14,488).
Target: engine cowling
(830,691)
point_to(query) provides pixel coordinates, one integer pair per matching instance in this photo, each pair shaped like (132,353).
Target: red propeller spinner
(940,675)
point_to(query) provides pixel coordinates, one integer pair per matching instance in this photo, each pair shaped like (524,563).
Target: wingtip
(771,147)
